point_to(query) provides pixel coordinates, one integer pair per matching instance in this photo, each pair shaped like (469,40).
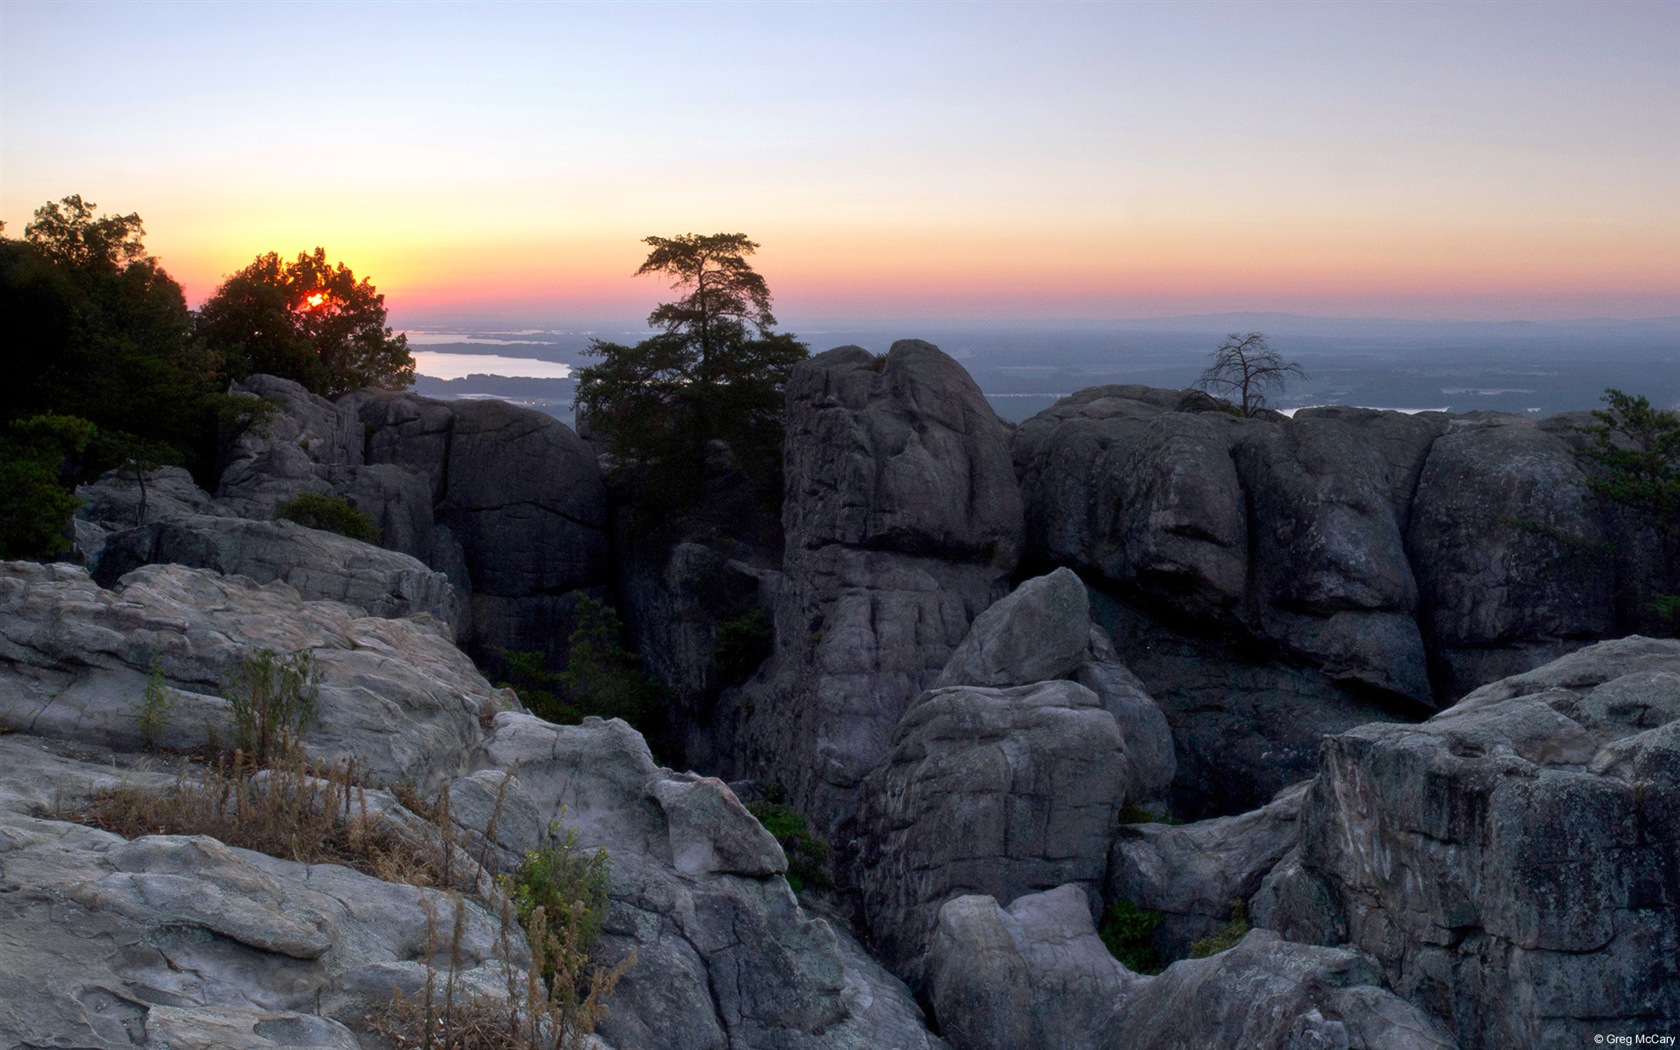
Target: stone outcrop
(1190,874)
(902,523)
(1510,554)
(725,957)
(1512,861)
(1036,975)
(508,502)
(991,790)
(318,565)
(74,662)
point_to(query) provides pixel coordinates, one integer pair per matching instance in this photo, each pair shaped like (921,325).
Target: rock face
(218,947)
(1191,873)
(1512,861)
(902,523)
(74,659)
(725,957)
(318,565)
(1510,554)
(506,501)
(1036,975)
(994,790)
(1343,566)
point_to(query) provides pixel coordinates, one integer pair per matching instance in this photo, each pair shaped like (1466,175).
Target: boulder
(902,523)
(75,660)
(1039,632)
(999,791)
(320,566)
(1036,975)
(181,941)
(1192,873)
(1512,861)
(725,956)
(1509,553)
(506,501)
(1151,762)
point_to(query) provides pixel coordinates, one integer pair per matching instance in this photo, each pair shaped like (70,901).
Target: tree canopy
(1245,368)
(100,331)
(714,371)
(307,320)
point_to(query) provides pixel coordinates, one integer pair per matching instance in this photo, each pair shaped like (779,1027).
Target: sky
(903,160)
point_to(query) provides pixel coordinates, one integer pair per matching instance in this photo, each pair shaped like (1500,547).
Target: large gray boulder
(725,956)
(506,501)
(396,695)
(1510,554)
(1191,873)
(902,524)
(181,941)
(318,565)
(1042,631)
(1036,975)
(1512,861)
(999,791)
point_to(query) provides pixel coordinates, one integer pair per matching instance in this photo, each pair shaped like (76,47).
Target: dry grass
(286,809)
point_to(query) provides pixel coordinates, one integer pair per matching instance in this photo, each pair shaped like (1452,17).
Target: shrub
(318,510)
(807,853)
(741,645)
(35,501)
(273,702)
(155,703)
(1128,933)
(604,678)
(1226,937)
(567,884)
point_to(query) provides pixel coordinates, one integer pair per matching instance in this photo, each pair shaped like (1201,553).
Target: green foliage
(317,510)
(601,678)
(35,499)
(1639,448)
(807,852)
(1132,813)
(1245,368)
(569,884)
(155,703)
(715,371)
(1226,937)
(307,320)
(604,678)
(741,645)
(273,702)
(1128,933)
(102,332)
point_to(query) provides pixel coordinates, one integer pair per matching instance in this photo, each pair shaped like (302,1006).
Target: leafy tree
(1637,449)
(714,371)
(307,320)
(1245,368)
(35,500)
(100,331)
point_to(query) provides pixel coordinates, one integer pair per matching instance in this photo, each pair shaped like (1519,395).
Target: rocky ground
(1435,810)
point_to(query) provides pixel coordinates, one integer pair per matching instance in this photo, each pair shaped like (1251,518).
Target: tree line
(108,366)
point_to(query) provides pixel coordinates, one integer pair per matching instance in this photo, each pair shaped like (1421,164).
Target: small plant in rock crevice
(1227,936)
(155,704)
(1128,933)
(807,853)
(274,701)
(317,510)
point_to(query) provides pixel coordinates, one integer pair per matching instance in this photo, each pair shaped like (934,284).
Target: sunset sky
(1498,161)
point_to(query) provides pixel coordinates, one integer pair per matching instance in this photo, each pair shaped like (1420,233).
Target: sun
(314,299)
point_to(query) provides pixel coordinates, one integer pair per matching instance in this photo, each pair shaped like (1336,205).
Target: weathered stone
(1150,761)
(321,566)
(999,791)
(1192,873)
(1036,975)
(1037,633)
(1509,554)
(74,660)
(1512,861)
(725,956)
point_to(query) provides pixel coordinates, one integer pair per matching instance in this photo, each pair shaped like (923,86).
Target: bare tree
(1246,368)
